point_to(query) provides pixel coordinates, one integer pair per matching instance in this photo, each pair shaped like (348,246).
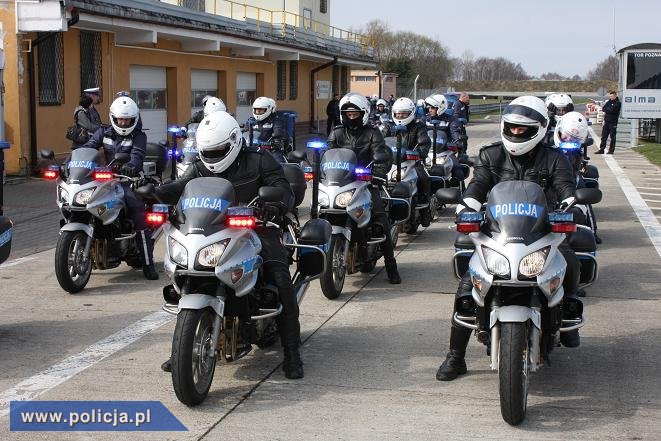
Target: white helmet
(266,103)
(439,101)
(214,104)
(571,127)
(219,141)
(559,103)
(381,102)
(125,108)
(406,106)
(356,103)
(205,99)
(527,112)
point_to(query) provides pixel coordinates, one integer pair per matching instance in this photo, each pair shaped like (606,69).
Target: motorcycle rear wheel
(193,358)
(71,272)
(513,371)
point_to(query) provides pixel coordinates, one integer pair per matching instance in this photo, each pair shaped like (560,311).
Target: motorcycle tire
(513,371)
(66,269)
(191,373)
(332,280)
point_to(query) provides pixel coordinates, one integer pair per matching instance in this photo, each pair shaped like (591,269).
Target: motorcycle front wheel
(513,371)
(71,269)
(332,280)
(193,357)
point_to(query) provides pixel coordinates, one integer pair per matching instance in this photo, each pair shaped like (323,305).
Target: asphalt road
(370,356)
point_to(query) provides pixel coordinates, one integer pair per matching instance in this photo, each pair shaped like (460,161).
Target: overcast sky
(564,36)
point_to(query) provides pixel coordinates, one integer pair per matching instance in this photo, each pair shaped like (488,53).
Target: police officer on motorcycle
(272,127)
(224,154)
(357,134)
(521,155)
(125,135)
(415,138)
(210,104)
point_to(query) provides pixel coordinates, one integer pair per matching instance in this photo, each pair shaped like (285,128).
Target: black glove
(128,170)
(271,211)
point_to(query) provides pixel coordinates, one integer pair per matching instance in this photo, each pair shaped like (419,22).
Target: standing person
(332,113)
(460,117)
(391,100)
(81,119)
(94,116)
(611,115)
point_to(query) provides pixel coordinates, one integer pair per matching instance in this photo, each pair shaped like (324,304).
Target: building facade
(370,82)
(168,56)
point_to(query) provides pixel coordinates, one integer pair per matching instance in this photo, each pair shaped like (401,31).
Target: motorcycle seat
(296,178)
(591,172)
(582,241)
(463,242)
(401,191)
(437,170)
(316,232)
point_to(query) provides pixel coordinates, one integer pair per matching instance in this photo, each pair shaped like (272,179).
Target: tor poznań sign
(642,84)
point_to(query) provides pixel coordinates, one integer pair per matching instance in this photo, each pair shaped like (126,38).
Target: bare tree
(607,69)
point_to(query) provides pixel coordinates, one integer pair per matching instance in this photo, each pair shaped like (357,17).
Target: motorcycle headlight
(210,255)
(324,201)
(497,264)
(343,199)
(83,196)
(533,263)
(178,252)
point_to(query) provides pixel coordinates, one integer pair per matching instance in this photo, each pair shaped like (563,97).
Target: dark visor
(517,109)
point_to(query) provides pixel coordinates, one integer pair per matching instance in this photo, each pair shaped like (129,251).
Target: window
(323,6)
(198,95)
(196,5)
(150,99)
(344,77)
(282,80)
(293,80)
(644,70)
(363,79)
(51,70)
(245,97)
(90,60)
(307,18)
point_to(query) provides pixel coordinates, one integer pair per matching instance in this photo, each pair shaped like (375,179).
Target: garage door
(246,90)
(149,90)
(202,83)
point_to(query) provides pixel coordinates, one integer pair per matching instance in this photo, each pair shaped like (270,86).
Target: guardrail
(486,108)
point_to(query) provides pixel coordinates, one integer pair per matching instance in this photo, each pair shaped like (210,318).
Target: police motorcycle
(188,153)
(212,260)
(516,306)
(341,195)
(445,168)
(403,180)
(95,232)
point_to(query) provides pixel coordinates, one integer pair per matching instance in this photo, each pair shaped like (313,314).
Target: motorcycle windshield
(203,204)
(337,167)
(516,212)
(189,150)
(81,165)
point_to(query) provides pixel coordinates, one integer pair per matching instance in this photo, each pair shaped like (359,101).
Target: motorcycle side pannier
(398,209)
(316,232)
(6,232)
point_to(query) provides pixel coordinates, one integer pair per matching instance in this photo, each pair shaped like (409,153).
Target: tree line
(409,54)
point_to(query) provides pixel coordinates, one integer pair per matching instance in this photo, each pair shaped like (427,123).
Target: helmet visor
(217,153)
(402,114)
(124,123)
(519,132)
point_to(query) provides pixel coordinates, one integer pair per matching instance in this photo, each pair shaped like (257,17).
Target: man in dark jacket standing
(333,113)
(611,115)
(94,94)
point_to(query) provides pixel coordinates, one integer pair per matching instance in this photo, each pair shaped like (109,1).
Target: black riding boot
(454,364)
(288,324)
(146,249)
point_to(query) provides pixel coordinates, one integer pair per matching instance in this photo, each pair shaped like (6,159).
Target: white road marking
(652,200)
(650,194)
(57,374)
(16,261)
(644,213)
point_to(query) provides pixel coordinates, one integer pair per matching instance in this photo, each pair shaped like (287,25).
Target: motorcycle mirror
(296,156)
(122,158)
(381,157)
(47,154)
(448,195)
(586,196)
(271,194)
